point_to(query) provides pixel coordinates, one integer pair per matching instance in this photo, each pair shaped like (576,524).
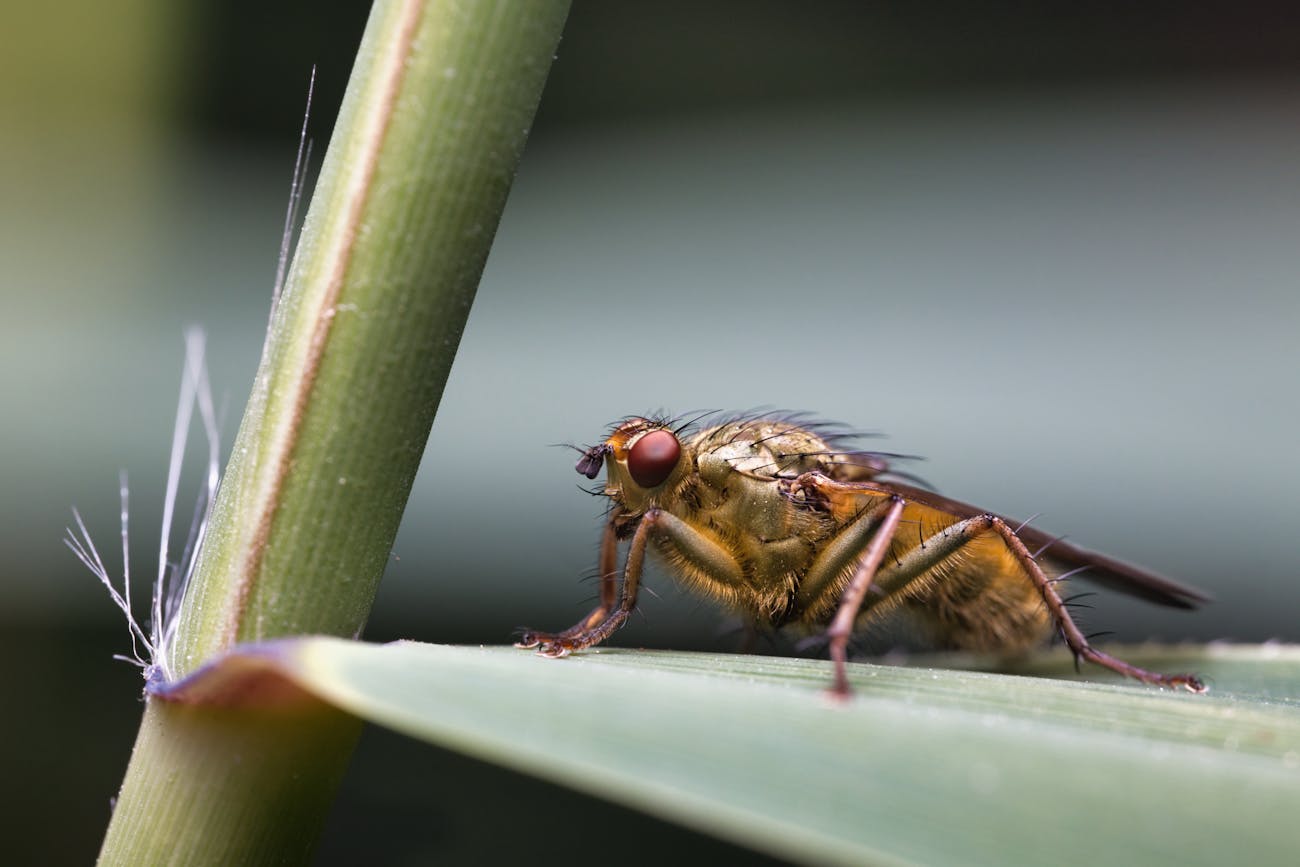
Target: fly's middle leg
(861,546)
(851,602)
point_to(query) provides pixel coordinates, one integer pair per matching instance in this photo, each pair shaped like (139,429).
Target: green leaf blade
(923,765)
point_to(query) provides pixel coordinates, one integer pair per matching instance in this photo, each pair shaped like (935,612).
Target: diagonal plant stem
(394,242)
(392,248)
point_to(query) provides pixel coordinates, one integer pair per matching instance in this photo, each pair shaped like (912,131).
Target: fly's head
(643,459)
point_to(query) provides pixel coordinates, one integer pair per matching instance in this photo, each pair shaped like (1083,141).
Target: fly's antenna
(295,199)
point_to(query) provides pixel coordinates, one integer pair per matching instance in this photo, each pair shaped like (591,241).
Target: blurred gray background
(1050,249)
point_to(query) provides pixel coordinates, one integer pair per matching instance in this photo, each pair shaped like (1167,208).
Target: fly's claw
(547,644)
(529,639)
(1189,682)
(554,649)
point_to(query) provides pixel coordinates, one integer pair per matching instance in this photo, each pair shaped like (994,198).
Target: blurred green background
(1050,248)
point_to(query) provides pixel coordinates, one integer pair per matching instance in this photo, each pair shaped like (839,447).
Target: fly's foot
(549,644)
(837,695)
(580,636)
(557,649)
(1189,682)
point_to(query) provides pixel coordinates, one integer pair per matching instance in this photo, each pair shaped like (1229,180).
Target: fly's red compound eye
(653,457)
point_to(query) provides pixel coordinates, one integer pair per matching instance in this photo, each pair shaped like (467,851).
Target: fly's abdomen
(982,601)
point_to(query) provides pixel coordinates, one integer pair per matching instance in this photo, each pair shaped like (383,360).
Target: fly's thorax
(756,506)
(762,448)
(741,474)
(717,466)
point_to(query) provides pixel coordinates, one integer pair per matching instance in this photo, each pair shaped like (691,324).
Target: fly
(774,517)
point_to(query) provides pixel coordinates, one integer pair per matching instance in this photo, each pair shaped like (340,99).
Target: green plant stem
(229,785)
(412,188)
(410,194)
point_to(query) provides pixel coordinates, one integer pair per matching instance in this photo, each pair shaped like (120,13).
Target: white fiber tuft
(150,650)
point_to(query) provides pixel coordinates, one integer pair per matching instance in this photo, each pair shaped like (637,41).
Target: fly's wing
(1102,570)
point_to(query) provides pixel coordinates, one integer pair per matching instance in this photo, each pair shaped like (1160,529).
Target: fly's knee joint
(836,632)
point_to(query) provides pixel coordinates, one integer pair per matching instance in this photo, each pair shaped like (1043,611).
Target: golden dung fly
(776,518)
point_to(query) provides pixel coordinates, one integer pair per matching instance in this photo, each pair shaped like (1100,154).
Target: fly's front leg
(693,547)
(608,568)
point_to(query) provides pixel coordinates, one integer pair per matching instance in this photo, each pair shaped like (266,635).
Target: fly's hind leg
(947,543)
(1075,639)
(693,547)
(865,538)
